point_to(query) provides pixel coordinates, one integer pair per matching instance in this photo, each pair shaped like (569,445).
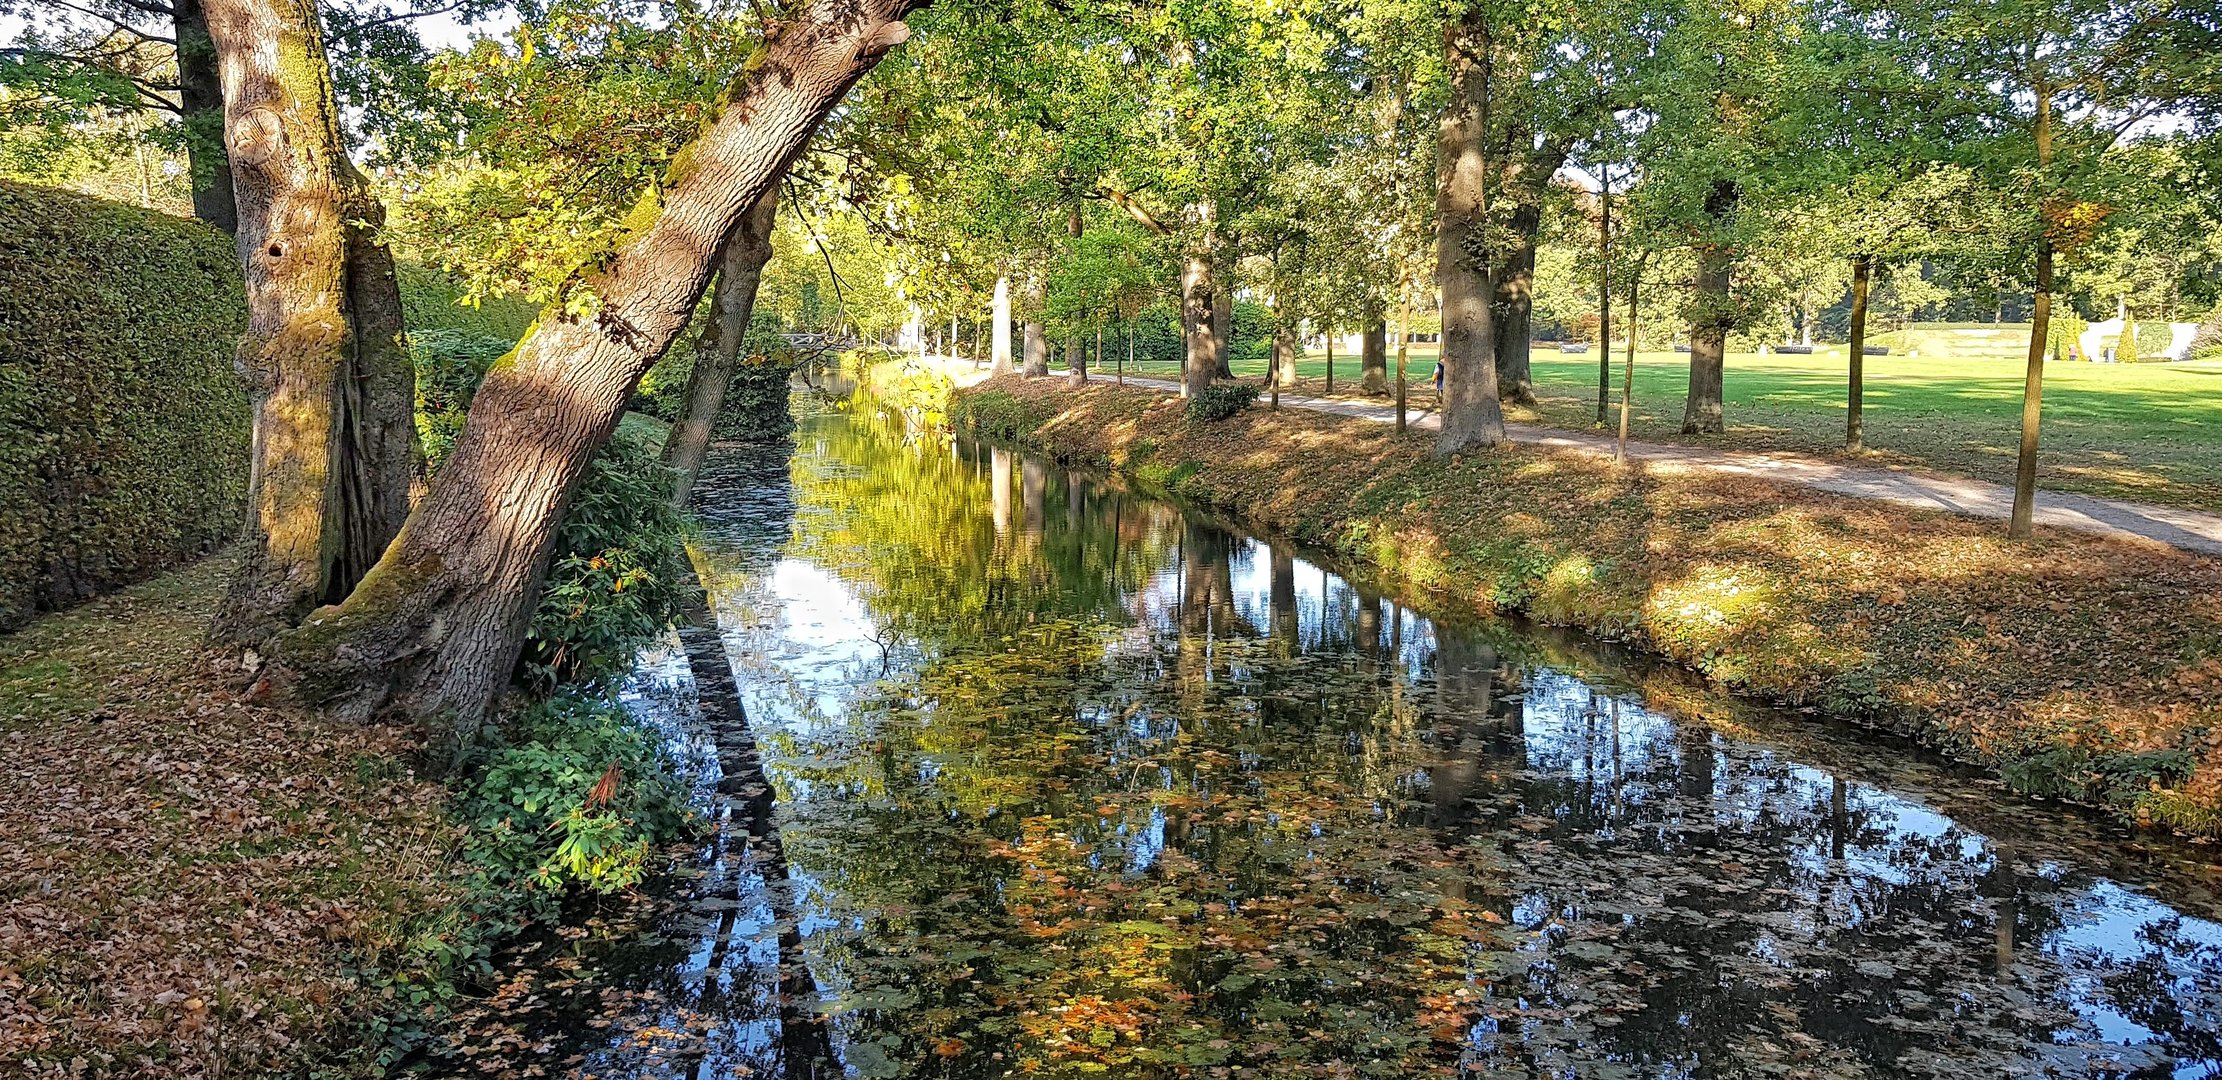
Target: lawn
(2148,432)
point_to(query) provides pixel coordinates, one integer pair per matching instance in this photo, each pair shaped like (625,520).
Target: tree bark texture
(717,353)
(1285,349)
(1000,333)
(1036,354)
(435,628)
(1373,357)
(1222,326)
(1604,297)
(1197,324)
(1515,301)
(200,97)
(335,443)
(1712,315)
(1472,415)
(1855,419)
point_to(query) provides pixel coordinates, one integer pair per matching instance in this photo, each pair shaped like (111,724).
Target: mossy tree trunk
(335,444)
(434,630)
(1472,414)
(717,353)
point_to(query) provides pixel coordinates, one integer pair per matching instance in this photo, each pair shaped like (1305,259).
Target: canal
(1047,777)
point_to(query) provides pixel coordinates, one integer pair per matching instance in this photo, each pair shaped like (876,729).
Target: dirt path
(2188,530)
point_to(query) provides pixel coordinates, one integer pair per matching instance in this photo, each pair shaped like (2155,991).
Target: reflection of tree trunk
(1281,594)
(1073,506)
(999,487)
(1465,683)
(733,302)
(1034,477)
(1838,824)
(1369,625)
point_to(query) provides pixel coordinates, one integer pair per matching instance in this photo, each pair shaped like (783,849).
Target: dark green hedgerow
(123,424)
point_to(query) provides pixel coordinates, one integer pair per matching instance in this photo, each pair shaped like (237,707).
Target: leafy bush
(1221,400)
(450,364)
(662,392)
(618,576)
(995,414)
(578,794)
(432,300)
(2206,344)
(123,424)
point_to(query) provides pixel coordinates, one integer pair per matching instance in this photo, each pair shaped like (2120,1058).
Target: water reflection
(1058,780)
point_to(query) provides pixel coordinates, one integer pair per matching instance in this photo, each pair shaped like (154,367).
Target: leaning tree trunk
(1373,357)
(1472,415)
(435,628)
(1000,333)
(717,353)
(1712,314)
(335,442)
(1514,314)
(200,98)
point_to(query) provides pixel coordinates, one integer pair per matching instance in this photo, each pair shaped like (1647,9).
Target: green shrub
(578,793)
(450,364)
(994,414)
(432,300)
(618,577)
(123,424)
(1221,400)
(662,392)
(2206,344)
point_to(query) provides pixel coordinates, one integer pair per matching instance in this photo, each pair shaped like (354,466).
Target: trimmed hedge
(123,424)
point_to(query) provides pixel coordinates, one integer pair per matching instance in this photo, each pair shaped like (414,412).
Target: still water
(1061,780)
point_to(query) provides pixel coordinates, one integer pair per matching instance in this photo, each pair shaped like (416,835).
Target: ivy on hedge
(123,424)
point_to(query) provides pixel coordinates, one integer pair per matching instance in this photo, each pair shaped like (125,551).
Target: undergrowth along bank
(2072,666)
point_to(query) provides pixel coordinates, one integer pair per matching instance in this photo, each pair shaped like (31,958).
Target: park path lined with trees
(2177,527)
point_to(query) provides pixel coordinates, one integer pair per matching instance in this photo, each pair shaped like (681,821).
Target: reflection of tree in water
(1144,796)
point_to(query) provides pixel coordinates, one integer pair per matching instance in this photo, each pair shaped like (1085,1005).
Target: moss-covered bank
(2073,666)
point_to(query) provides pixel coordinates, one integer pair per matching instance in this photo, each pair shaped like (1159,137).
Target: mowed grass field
(2147,432)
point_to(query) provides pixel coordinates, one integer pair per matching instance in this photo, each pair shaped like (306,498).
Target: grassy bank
(2147,432)
(2072,666)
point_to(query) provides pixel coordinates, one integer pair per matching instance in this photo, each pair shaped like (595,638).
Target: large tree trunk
(1000,333)
(1373,357)
(335,445)
(200,98)
(1285,350)
(1712,314)
(1197,325)
(1515,303)
(1855,419)
(434,630)
(1472,416)
(1037,351)
(717,352)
